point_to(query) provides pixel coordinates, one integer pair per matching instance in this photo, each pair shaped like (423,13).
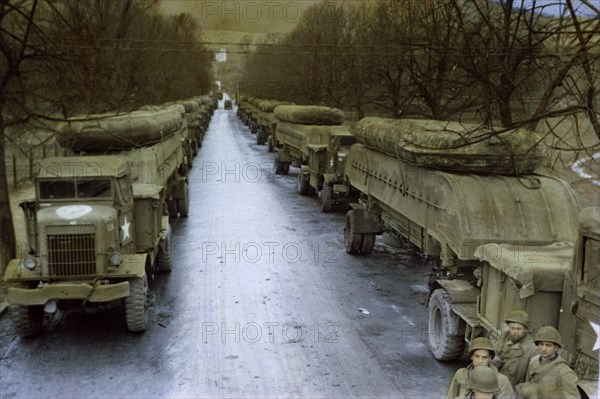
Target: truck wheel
(285,168)
(183,204)
(441,321)
(163,258)
(136,304)
(172,208)
(303,184)
(278,166)
(327,198)
(367,244)
(27,320)
(270,146)
(352,241)
(195,146)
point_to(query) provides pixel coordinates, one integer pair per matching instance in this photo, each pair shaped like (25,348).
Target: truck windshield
(65,189)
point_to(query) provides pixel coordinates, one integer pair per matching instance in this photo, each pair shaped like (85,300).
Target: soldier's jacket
(515,357)
(551,380)
(459,386)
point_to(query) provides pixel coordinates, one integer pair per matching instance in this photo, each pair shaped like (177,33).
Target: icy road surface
(263,301)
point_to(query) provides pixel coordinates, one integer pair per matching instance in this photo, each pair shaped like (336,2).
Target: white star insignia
(596,328)
(125,228)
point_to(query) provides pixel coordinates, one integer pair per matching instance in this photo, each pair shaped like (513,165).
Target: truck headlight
(29,263)
(116,259)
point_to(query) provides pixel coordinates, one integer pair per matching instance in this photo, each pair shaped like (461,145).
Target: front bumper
(68,291)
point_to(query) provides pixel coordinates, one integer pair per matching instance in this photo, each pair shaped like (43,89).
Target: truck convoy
(499,235)
(313,138)
(96,224)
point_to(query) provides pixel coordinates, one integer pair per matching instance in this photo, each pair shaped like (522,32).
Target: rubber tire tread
(303,184)
(447,347)
(163,258)
(352,241)
(326,198)
(136,304)
(183,204)
(27,321)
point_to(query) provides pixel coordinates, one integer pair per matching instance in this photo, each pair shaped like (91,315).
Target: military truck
(314,140)
(95,226)
(498,235)
(267,123)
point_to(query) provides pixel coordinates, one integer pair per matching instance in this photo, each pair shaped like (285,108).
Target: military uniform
(554,379)
(514,357)
(459,386)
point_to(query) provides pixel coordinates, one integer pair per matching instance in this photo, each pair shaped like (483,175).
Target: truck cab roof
(88,166)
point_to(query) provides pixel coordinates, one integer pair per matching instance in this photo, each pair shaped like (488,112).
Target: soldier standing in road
(483,384)
(481,353)
(549,375)
(515,347)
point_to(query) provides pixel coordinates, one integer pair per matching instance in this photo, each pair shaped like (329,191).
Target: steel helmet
(481,343)
(483,379)
(547,334)
(518,316)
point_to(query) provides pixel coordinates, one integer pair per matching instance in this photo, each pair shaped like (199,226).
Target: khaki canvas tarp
(452,146)
(309,114)
(99,133)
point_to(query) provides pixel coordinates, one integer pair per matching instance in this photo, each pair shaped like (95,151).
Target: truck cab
(79,246)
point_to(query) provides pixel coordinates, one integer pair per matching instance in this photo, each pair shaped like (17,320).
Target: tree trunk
(7,235)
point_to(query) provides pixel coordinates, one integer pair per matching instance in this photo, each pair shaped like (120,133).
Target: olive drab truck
(267,123)
(313,139)
(498,235)
(95,225)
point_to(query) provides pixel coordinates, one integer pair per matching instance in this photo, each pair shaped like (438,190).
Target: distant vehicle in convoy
(499,236)
(227,104)
(314,139)
(96,225)
(267,123)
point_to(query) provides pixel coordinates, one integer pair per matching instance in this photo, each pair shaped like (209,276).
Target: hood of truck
(72,214)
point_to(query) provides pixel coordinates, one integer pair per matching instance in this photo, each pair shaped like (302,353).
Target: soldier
(549,375)
(483,383)
(481,353)
(515,347)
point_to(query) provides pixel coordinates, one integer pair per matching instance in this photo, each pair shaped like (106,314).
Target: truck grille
(71,250)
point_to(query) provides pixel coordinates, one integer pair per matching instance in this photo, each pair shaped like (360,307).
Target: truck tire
(367,244)
(327,198)
(303,184)
(27,321)
(281,168)
(136,304)
(270,146)
(352,241)
(172,208)
(163,258)
(183,204)
(441,321)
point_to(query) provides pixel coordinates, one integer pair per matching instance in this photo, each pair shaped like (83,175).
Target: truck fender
(463,299)
(304,170)
(134,264)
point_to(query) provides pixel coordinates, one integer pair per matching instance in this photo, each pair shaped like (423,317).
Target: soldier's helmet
(547,334)
(481,343)
(518,316)
(483,379)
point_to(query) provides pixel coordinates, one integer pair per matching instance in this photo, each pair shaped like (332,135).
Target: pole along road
(263,301)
